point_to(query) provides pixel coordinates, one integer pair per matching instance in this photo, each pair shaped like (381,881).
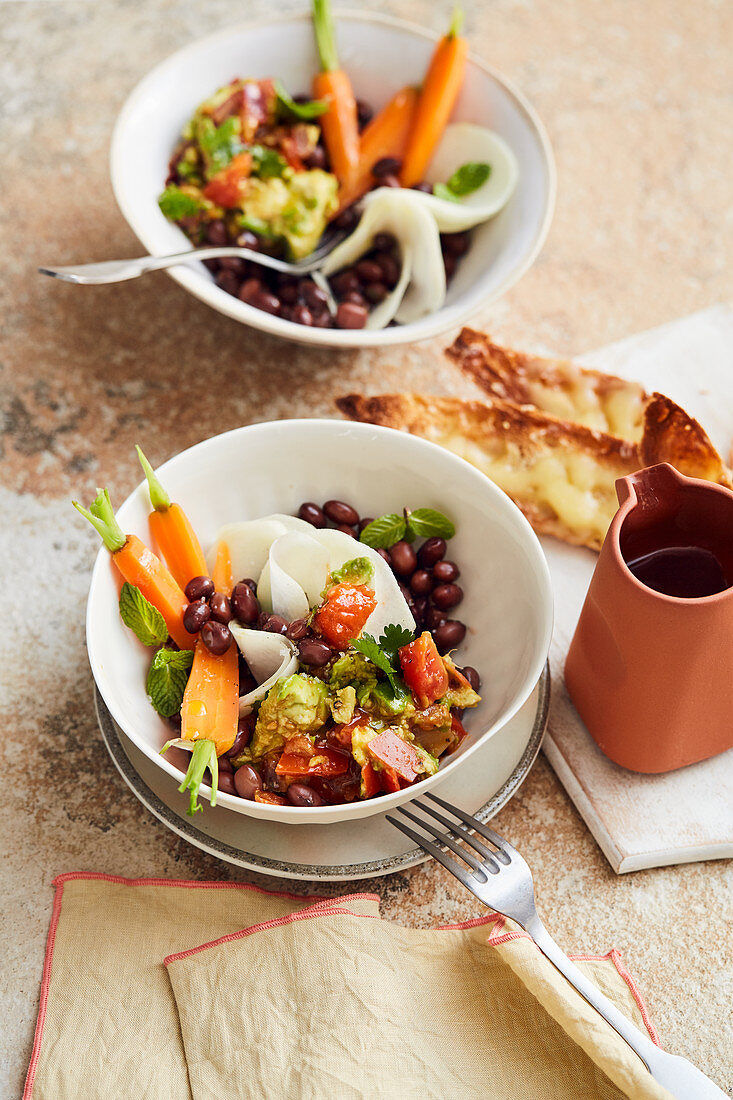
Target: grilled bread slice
(557,386)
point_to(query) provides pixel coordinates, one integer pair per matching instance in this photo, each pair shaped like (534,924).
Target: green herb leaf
(442,191)
(393,639)
(426,523)
(286,105)
(469,177)
(369,646)
(384,532)
(219,144)
(167,680)
(267,163)
(176,204)
(145,621)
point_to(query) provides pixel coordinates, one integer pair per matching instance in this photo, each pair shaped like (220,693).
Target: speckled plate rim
(280,868)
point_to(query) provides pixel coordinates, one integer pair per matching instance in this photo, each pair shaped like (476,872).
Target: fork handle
(683,1080)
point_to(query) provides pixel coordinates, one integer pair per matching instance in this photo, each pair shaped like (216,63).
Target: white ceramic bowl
(381,55)
(274,467)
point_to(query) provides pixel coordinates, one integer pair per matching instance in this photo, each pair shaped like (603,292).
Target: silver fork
(499,877)
(118,271)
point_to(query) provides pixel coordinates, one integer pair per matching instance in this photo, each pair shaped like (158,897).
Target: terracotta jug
(651,674)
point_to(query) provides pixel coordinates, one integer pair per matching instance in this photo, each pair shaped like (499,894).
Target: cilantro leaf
(384,532)
(167,680)
(176,204)
(219,144)
(145,621)
(286,105)
(369,646)
(427,522)
(464,181)
(267,163)
(393,639)
(383,654)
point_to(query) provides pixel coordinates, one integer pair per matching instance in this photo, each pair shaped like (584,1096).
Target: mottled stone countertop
(634,98)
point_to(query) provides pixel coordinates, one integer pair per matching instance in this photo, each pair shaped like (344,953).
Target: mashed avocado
(298,704)
(352,668)
(356,571)
(295,209)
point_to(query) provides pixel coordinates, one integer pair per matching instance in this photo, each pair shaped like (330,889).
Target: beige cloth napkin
(337,1005)
(107,1022)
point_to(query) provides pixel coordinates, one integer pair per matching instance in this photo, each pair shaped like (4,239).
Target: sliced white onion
(250,540)
(270,657)
(304,561)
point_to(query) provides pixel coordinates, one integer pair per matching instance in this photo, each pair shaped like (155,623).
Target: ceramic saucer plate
(343,850)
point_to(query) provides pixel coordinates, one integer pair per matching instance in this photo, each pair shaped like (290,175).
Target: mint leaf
(426,523)
(287,107)
(267,163)
(145,621)
(442,191)
(176,204)
(219,144)
(469,177)
(393,639)
(384,532)
(167,680)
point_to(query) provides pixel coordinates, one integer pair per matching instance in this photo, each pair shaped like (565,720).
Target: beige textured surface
(634,97)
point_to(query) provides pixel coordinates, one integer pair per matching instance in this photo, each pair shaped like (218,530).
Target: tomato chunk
(459,730)
(343,615)
(389,750)
(325,763)
(423,670)
(370,782)
(342,735)
(226,187)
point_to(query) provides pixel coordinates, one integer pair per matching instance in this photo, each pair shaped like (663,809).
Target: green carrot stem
(202,757)
(158,496)
(102,517)
(325,35)
(456,24)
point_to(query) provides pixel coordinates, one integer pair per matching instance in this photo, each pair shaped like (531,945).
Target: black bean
(199,588)
(346,529)
(449,635)
(227,281)
(288,293)
(312,514)
(195,615)
(384,554)
(244,603)
(365,523)
(275,624)
(175,720)
(455,244)
(345,281)
(376,292)
(298,629)
(322,319)
(316,159)
(248,239)
(390,181)
(314,652)
(225,783)
(245,729)
(446,596)
(225,765)
(234,263)
(386,166)
(431,551)
(390,269)
(408,596)
(347,219)
(338,512)
(422,605)
(472,676)
(300,794)
(216,233)
(449,264)
(421,582)
(302,315)
(369,271)
(217,637)
(446,571)
(384,242)
(247,781)
(266,301)
(435,618)
(313,295)
(364,113)
(356,297)
(252,584)
(403,559)
(249,288)
(221,609)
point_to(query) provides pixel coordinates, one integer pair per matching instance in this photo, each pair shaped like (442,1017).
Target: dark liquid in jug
(684,571)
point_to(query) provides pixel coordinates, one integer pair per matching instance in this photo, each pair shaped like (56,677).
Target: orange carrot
(210,708)
(340,123)
(385,136)
(141,568)
(172,530)
(440,90)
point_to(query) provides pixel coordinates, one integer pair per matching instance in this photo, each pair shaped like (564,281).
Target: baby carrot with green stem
(210,708)
(140,567)
(172,530)
(440,89)
(340,124)
(385,136)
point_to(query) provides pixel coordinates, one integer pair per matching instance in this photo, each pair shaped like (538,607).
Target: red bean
(365,522)
(199,588)
(217,637)
(249,288)
(421,582)
(252,584)
(446,596)
(369,271)
(221,609)
(345,281)
(384,242)
(245,730)
(288,293)
(313,295)
(455,244)
(247,781)
(350,315)
(225,765)
(426,188)
(244,603)
(216,233)
(316,158)
(265,301)
(302,315)
(298,629)
(314,652)
(227,281)
(390,269)
(376,292)
(225,783)
(403,559)
(322,319)
(234,263)
(472,676)
(347,219)
(339,512)
(432,550)
(364,113)
(312,514)
(384,554)
(449,635)
(300,794)
(435,618)
(386,166)
(355,297)
(275,624)
(346,530)
(196,614)
(422,605)
(390,181)
(446,571)
(248,239)
(449,264)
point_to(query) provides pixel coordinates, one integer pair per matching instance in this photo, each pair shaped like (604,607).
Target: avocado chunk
(294,209)
(295,705)
(356,571)
(352,668)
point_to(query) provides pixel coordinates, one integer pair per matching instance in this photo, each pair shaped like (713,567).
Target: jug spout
(649,488)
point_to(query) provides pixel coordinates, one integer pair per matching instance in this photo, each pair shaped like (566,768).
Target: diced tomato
(423,669)
(342,735)
(390,781)
(226,188)
(390,751)
(370,781)
(324,763)
(270,798)
(299,746)
(459,730)
(342,617)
